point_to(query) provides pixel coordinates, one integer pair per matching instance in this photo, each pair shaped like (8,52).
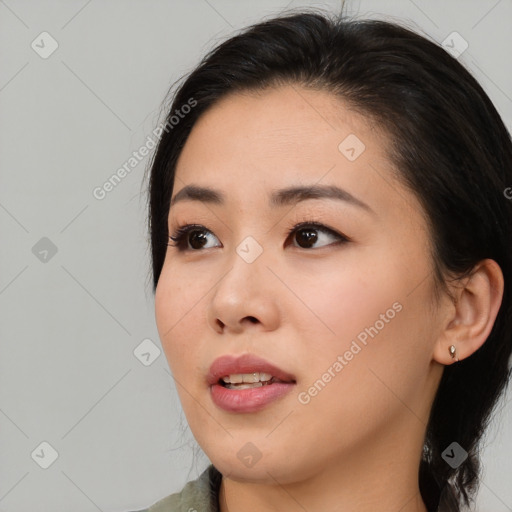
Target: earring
(453,352)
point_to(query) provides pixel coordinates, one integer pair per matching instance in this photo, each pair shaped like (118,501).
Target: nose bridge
(244,291)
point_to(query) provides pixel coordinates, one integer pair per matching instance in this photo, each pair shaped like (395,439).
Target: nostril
(252,319)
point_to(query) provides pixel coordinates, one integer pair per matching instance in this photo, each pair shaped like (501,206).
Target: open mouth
(235,392)
(250,381)
(248,385)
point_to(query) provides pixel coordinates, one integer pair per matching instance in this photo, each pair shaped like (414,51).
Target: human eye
(307,233)
(190,237)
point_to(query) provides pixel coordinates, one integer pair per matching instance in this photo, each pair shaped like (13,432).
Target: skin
(357,444)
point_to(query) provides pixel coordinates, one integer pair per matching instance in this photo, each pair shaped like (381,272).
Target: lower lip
(248,400)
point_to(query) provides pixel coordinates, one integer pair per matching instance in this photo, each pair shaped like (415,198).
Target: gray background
(70,321)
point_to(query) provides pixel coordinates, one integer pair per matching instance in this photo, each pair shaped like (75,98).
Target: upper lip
(246,363)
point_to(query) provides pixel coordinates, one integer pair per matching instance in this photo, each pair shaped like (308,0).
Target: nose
(244,298)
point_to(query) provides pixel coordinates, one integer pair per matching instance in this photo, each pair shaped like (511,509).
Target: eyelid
(320,226)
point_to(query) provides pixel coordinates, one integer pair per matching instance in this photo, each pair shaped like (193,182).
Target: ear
(471,315)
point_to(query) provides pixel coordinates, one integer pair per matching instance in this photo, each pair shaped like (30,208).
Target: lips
(246,363)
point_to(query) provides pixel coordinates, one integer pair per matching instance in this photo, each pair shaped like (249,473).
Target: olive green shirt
(202,495)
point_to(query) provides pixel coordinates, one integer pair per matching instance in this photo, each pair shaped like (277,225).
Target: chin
(265,472)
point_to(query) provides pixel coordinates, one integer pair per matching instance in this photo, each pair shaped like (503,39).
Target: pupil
(197,235)
(309,237)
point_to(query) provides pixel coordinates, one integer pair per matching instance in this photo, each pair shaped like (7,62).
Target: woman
(330,234)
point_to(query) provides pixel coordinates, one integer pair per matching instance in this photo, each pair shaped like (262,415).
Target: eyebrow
(278,198)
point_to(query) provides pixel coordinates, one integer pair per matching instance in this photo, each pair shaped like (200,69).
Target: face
(333,289)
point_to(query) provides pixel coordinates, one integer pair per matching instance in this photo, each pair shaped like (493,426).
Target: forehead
(284,115)
(251,143)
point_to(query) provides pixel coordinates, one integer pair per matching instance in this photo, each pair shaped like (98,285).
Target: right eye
(191,237)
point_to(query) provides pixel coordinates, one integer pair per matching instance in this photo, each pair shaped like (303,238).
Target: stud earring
(453,352)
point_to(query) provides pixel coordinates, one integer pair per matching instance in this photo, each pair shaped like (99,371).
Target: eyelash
(180,241)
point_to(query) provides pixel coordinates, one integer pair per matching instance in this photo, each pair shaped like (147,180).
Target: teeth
(249,378)
(246,386)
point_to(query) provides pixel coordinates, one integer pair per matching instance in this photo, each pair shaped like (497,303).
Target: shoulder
(200,495)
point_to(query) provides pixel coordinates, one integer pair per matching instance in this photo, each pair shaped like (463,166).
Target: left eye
(194,237)
(307,235)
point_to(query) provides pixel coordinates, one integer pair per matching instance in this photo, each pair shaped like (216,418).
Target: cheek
(343,300)
(368,316)
(177,304)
